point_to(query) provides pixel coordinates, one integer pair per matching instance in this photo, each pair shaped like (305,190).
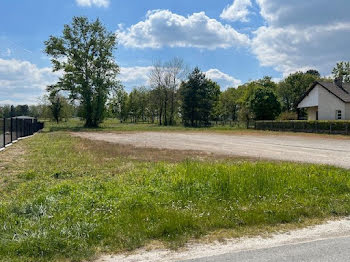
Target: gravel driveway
(310,149)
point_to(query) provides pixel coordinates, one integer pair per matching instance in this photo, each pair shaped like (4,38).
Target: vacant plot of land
(72,199)
(317,149)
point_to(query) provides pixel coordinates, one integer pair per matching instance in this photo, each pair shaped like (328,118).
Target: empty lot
(309,149)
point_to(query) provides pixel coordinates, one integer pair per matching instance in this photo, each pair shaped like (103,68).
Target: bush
(330,127)
(288,116)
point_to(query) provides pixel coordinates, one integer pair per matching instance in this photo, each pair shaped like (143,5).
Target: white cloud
(90,3)
(139,75)
(134,76)
(164,28)
(224,80)
(23,81)
(238,11)
(303,34)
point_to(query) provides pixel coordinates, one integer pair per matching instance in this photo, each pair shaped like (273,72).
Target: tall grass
(70,204)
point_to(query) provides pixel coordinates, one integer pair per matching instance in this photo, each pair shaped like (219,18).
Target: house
(327,101)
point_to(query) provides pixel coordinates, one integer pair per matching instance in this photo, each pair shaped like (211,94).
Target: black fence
(12,129)
(321,127)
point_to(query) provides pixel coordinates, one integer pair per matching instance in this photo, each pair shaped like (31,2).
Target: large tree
(199,96)
(292,88)
(118,105)
(342,70)
(84,53)
(227,108)
(264,104)
(165,80)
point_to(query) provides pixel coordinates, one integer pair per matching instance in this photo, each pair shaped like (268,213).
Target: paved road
(331,250)
(311,149)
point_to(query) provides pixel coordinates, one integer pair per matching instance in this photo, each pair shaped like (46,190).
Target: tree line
(196,100)
(88,87)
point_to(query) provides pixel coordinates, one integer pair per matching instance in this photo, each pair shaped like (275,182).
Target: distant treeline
(176,97)
(42,110)
(89,77)
(198,101)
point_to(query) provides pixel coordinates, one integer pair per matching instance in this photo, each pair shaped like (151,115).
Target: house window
(338,115)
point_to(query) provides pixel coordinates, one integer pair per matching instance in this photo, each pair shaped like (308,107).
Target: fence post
(316,127)
(4,137)
(16,128)
(11,129)
(347,129)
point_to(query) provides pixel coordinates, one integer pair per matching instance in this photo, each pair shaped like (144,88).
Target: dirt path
(320,150)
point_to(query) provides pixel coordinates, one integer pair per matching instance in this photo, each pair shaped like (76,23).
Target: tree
(175,71)
(264,104)
(165,79)
(84,53)
(266,81)
(118,105)
(198,97)
(159,91)
(244,96)
(291,89)
(56,106)
(22,110)
(342,70)
(227,108)
(313,72)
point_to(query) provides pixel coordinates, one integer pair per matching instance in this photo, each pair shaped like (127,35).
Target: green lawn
(115,125)
(73,199)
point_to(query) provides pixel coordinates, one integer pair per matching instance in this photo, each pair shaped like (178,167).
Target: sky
(233,42)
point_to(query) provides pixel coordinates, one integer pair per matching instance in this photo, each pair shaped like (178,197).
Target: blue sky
(232,41)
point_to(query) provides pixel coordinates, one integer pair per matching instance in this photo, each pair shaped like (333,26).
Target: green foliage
(342,70)
(227,107)
(56,106)
(325,127)
(137,104)
(85,55)
(199,96)
(313,72)
(264,104)
(292,88)
(69,203)
(118,105)
(288,116)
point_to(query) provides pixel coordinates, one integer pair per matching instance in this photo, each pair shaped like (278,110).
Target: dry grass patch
(12,162)
(106,151)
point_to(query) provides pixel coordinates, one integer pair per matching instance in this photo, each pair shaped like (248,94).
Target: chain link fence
(12,129)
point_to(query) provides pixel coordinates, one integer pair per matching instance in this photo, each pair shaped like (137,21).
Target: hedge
(325,127)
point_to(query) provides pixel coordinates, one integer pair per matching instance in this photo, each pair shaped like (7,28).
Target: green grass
(71,202)
(76,125)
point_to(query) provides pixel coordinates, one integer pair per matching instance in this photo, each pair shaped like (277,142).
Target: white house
(327,101)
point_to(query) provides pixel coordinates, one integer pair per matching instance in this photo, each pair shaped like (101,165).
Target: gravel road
(329,250)
(298,148)
(326,242)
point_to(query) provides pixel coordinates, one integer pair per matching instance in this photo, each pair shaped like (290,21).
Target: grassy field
(68,199)
(76,125)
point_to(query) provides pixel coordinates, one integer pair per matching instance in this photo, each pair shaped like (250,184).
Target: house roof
(24,117)
(343,93)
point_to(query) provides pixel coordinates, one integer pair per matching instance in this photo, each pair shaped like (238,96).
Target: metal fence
(12,129)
